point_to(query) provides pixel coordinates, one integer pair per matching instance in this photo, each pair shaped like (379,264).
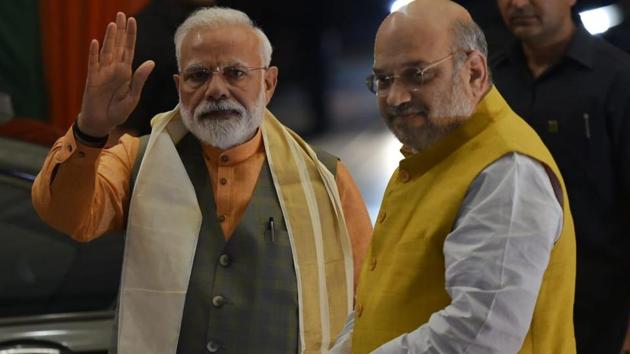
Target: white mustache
(219,106)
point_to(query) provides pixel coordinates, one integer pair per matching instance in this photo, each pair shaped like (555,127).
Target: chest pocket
(570,126)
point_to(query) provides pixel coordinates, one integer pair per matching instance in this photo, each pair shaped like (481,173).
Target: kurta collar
(236,154)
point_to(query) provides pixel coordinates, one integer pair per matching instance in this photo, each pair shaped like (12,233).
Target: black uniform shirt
(580,107)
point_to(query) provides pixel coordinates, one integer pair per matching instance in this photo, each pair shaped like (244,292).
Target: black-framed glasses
(412,77)
(234,75)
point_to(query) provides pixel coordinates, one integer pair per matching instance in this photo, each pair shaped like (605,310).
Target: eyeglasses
(234,75)
(412,77)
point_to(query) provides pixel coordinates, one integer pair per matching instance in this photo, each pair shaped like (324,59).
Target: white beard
(224,133)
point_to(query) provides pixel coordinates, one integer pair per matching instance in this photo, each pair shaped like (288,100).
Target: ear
(176,78)
(478,69)
(271,79)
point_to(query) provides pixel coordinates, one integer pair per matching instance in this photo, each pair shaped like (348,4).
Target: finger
(108,44)
(140,77)
(121,22)
(130,42)
(93,63)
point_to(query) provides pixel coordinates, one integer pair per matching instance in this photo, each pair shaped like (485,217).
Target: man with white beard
(473,249)
(240,237)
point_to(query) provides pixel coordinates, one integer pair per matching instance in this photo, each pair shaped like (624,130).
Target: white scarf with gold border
(164,223)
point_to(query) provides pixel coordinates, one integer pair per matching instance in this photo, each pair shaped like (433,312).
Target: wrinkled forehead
(220,46)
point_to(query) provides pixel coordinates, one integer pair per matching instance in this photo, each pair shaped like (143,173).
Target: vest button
(224,260)
(223,181)
(404,176)
(225,158)
(212,347)
(221,218)
(359,310)
(373,263)
(218,301)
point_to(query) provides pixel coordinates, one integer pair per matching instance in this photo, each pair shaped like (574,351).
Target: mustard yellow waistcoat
(402,282)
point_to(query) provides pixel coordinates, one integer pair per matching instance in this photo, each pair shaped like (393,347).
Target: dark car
(56,295)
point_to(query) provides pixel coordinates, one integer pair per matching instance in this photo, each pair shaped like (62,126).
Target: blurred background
(323,50)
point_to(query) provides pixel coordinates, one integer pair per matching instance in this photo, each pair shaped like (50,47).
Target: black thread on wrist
(88,139)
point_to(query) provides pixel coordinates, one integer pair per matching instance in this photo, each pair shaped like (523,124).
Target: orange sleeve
(357,217)
(84,191)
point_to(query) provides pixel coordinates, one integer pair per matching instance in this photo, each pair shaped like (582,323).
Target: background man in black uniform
(574,89)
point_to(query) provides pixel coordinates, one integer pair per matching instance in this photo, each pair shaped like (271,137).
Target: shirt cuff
(86,139)
(72,150)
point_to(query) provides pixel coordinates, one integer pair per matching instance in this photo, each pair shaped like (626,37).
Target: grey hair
(466,36)
(214,17)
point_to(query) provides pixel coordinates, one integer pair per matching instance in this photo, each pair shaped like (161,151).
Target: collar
(490,108)
(236,154)
(580,49)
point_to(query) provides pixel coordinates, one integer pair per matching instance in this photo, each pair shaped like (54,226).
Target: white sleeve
(343,343)
(495,258)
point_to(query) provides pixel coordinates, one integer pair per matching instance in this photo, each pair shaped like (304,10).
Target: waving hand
(112,89)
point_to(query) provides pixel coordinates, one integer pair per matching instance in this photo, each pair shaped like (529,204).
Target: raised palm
(112,89)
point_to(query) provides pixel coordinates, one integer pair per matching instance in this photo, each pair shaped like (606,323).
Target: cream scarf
(164,223)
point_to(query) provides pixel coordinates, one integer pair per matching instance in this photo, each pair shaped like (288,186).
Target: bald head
(428,21)
(435,13)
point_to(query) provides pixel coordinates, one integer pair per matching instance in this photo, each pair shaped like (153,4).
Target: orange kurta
(84,191)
